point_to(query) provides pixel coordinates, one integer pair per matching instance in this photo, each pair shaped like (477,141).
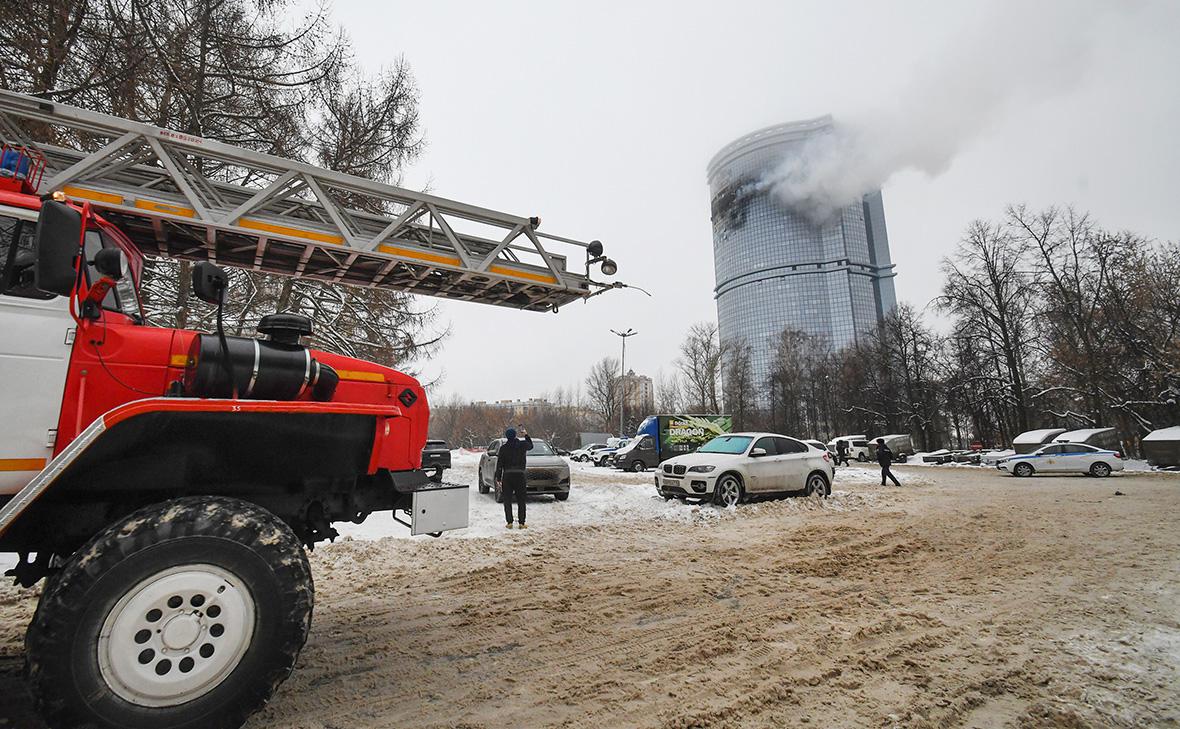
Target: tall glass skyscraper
(776,269)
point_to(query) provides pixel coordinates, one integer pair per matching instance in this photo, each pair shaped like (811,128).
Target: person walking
(885,458)
(842,452)
(511,474)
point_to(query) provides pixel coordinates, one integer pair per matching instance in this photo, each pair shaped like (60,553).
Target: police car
(1063,458)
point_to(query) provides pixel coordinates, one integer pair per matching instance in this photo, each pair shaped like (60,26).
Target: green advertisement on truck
(659,437)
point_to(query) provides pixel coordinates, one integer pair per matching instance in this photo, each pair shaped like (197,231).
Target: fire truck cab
(165,482)
(167,490)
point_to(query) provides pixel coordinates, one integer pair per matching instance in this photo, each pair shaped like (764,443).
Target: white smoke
(1020,54)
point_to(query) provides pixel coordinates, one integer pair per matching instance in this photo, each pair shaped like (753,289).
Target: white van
(858,446)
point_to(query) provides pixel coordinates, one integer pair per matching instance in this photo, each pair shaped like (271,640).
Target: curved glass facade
(775,269)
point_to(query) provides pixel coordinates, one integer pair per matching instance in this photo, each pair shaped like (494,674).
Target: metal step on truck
(165,483)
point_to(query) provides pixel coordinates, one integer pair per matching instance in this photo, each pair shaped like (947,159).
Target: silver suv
(545,471)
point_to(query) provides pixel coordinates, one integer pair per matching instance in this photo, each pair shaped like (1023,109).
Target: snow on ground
(1129,464)
(992,457)
(1133,464)
(603,495)
(600,495)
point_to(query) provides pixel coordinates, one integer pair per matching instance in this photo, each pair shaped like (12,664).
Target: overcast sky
(601,119)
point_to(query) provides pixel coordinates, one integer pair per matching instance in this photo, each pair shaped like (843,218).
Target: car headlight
(701,469)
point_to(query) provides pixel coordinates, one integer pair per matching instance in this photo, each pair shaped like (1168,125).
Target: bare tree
(602,391)
(1076,262)
(992,297)
(62,49)
(669,392)
(1142,312)
(700,362)
(740,389)
(800,378)
(911,351)
(367,126)
(238,71)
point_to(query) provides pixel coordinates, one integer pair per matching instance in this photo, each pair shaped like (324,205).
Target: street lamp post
(623,376)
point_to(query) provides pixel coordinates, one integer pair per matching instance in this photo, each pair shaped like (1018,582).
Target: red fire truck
(164,483)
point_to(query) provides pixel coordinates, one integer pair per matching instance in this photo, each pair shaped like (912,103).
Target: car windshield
(732,444)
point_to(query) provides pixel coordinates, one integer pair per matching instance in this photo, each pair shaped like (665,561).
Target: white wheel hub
(176,635)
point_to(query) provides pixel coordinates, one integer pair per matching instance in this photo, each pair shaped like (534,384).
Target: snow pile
(605,495)
(1172,433)
(870,473)
(1136,465)
(987,459)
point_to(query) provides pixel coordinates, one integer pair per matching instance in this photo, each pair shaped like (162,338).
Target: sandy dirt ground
(964,599)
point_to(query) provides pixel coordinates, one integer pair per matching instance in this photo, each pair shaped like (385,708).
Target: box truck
(659,437)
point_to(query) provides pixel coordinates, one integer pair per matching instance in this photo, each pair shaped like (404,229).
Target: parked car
(436,457)
(545,471)
(729,468)
(972,457)
(1063,458)
(940,456)
(586,454)
(991,457)
(858,447)
(605,456)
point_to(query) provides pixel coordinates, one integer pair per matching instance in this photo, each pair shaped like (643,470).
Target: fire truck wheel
(186,614)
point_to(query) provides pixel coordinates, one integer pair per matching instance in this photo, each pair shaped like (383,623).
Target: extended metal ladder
(280,216)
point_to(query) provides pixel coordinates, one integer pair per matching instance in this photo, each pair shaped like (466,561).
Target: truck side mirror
(111,262)
(56,244)
(209,282)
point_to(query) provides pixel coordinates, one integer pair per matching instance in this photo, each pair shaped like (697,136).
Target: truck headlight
(701,469)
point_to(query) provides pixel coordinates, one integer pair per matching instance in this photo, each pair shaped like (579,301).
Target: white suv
(731,467)
(858,447)
(587,453)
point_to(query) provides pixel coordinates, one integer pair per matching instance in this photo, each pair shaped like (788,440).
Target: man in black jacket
(511,475)
(885,458)
(841,452)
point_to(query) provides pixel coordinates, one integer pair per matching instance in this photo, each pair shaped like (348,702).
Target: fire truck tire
(187,614)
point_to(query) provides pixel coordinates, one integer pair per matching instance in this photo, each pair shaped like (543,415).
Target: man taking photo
(511,474)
